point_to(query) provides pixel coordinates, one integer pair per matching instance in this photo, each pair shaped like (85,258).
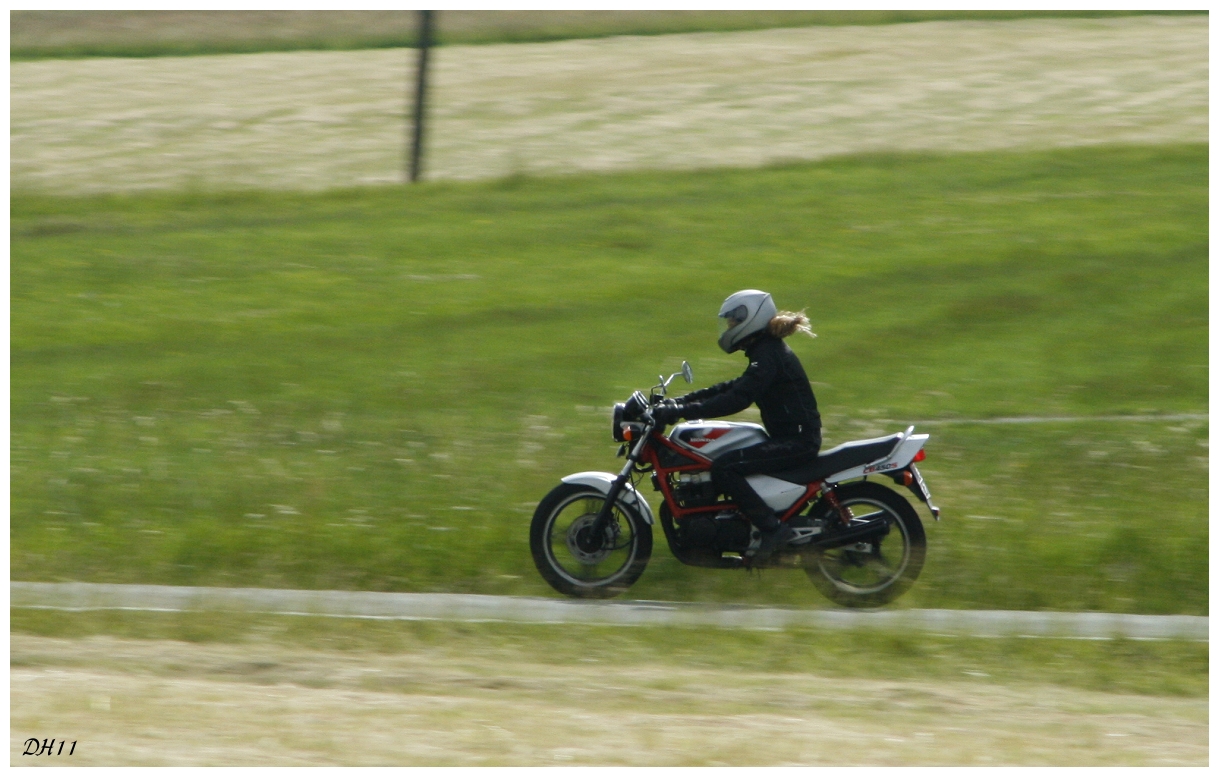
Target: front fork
(594,539)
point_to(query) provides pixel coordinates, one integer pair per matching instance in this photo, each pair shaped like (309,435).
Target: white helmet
(743,314)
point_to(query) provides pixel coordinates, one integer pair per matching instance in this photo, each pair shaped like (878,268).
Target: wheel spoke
(880,565)
(570,524)
(856,577)
(878,560)
(559,539)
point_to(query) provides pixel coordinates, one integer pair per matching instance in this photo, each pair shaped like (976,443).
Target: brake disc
(584,524)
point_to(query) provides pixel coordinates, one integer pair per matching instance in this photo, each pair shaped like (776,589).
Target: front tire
(874,573)
(557,523)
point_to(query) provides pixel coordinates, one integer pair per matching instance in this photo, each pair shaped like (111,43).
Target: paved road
(468,607)
(1041,419)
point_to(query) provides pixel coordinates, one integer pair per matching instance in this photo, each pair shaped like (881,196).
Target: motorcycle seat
(845,456)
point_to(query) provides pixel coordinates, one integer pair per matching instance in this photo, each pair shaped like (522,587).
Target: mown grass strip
(76,34)
(325,120)
(1153,668)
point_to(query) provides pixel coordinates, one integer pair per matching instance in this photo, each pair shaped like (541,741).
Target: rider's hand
(667,412)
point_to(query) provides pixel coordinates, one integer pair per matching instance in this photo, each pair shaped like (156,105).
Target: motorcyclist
(775,380)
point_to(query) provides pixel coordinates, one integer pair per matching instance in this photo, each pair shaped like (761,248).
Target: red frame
(701,463)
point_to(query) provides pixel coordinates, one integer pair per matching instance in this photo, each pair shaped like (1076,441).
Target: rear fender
(602,481)
(902,456)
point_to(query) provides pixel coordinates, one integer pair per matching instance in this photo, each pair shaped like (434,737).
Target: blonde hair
(787,323)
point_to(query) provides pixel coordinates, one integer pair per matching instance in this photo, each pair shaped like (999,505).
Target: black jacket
(775,380)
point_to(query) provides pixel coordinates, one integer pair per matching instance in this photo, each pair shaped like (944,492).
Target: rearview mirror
(686,372)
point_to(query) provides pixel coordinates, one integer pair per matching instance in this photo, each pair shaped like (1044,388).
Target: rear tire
(875,573)
(558,520)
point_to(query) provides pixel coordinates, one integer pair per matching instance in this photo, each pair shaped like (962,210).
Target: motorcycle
(859,542)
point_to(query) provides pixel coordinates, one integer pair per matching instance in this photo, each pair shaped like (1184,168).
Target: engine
(709,532)
(693,489)
(716,533)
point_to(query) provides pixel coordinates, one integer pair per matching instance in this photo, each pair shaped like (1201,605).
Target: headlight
(634,407)
(619,411)
(629,411)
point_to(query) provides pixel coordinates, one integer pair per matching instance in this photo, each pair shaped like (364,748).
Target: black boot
(775,535)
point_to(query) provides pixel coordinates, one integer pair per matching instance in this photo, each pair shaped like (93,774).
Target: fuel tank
(714,438)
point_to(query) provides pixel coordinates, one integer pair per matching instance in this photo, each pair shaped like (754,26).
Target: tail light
(922,454)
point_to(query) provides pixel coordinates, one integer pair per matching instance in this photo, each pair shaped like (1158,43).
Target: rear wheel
(558,539)
(877,571)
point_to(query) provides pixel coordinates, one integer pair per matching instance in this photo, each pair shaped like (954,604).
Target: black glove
(668,411)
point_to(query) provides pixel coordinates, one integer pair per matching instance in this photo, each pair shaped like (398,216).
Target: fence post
(425,43)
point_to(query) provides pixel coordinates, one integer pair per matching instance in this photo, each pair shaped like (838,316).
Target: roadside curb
(518,609)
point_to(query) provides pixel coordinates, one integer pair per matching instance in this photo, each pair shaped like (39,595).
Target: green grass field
(47,34)
(372,388)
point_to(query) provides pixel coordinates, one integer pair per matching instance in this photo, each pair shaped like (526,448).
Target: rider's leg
(730,470)
(732,481)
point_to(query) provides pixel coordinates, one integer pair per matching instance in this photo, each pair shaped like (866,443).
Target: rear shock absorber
(827,491)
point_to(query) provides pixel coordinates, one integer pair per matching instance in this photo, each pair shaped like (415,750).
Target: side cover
(602,481)
(777,494)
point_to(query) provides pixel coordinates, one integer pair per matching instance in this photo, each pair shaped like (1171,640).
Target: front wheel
(872,573)
(562,519)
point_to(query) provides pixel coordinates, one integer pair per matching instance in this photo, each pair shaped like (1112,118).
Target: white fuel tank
(713,438)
